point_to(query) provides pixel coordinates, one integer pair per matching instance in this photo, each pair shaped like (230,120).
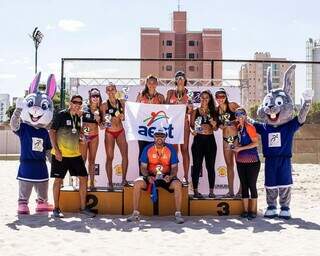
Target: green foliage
(10,110)
(313,116)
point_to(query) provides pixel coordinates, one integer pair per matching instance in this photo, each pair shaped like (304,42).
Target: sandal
(229,195)
(197,195)
(211,195)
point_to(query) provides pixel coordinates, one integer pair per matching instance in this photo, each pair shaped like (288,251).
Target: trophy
(159,175)
(125,91)
(197,124)
(226,119)
(86,133)
(107,120)
(230,141)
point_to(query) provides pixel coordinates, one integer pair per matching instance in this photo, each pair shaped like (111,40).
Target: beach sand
(39,234)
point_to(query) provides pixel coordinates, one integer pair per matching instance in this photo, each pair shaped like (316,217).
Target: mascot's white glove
(307,95)
(19,103)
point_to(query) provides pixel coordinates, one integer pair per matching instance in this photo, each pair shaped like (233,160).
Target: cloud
(23,60)
(71,25)
(7,76)
(2,60)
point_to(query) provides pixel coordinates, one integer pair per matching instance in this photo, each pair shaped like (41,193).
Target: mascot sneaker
(285,213)
(44,207)
(271,212)
(23,209)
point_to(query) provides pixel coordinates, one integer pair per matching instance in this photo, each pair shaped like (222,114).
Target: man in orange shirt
(159,165)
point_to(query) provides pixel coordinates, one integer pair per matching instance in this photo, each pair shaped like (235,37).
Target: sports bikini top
(113,110)
(204,118)
(88,116)
(174,99)
(155,99)
(226,117)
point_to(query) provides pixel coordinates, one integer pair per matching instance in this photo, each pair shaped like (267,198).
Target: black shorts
(75,166)
(163,184)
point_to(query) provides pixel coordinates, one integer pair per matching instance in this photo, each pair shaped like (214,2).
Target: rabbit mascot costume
(29,121)
(277,132)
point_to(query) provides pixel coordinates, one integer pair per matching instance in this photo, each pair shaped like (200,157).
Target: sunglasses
(77,102)
(160,135)
(95,96)
(180,78)
(240,114)
(220,96)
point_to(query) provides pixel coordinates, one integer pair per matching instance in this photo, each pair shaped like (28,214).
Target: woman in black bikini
(89,137)
(227,122)
(203,123)
(113,110)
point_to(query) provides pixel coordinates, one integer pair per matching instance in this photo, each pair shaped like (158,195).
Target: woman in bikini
(227,122)
(113,111)
(180,96)
(149,95)
(89,137)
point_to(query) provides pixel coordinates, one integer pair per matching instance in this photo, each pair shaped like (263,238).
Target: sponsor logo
(118,169)
(222,171)
(148,129)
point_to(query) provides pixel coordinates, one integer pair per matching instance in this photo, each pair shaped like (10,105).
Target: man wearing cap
(66,156)
(159,165)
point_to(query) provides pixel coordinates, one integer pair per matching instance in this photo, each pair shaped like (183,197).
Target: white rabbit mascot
(29,121)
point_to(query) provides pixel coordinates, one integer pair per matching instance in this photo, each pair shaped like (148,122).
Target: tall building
(4,105)
(253,77)
(181,43)
(313,70)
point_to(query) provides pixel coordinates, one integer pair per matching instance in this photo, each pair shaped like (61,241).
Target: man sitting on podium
(159,166)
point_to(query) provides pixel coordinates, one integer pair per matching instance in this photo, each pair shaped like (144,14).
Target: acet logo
(148,130)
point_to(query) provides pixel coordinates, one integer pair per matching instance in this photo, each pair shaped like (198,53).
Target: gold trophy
(230,141)
(159,175)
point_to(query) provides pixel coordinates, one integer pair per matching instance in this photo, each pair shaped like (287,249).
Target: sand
(39,234)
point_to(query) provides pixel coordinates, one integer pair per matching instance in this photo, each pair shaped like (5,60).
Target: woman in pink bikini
(89,137)
(113,111)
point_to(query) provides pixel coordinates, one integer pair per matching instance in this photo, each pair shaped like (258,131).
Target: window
(191,55)
(162,55)
(197,43)
(169,43)
(197,56)
(191,68)
(169,55)
(168,68)
(191,43)
(162,42)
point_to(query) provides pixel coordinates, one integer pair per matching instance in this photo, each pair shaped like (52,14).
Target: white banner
(143,119)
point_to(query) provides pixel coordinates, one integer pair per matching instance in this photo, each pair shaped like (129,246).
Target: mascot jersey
(277,149)
(34,144)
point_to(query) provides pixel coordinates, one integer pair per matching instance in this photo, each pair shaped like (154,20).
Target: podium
(120,202)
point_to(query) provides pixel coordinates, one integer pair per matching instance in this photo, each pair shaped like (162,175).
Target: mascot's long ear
(51,86)
(288,79)
(269,80)
(33,88)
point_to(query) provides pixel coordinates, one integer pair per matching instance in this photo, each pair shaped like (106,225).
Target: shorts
(278,172)
(163,184)
(75,166)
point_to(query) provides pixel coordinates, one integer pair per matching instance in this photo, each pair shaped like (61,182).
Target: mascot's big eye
(266,102)
(44,105)
(30,103)
(279,101)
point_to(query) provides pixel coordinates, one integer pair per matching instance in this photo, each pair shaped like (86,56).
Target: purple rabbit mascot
(277,131)
(29,122)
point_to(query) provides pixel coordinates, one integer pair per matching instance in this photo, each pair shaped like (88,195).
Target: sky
(101,28)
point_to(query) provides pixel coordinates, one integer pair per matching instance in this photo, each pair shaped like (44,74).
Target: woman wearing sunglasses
(227,122)
(248,163)
(180,96)
(203,123)
(89,137)
(113,110)
(149,95)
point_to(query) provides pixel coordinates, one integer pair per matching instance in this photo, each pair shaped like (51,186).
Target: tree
(313,116)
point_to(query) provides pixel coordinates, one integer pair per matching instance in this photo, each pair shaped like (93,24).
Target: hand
(150,180)
(58,155)
(97,118)
(121,116)
(189,108)
(308,94)
(236,149)
(19,103)
(167,178)
(212,122)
